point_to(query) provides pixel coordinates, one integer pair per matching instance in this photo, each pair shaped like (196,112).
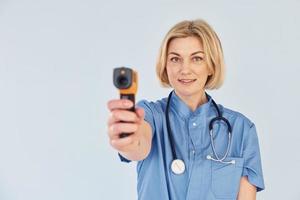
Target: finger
(140,113)
(119,144)
(117,128)
(119,103)
(122,115)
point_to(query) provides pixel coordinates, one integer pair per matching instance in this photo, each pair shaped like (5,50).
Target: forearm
(247,190)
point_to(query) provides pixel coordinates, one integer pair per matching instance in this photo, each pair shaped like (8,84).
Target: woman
(224,165)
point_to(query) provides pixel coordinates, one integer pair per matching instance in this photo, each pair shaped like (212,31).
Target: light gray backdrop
(56,61)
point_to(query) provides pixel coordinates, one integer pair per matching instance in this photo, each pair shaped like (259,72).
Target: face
(186,66)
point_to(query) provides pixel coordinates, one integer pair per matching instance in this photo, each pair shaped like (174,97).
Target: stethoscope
(178,165)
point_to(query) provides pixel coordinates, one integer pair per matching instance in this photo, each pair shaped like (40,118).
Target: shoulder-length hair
(212,50)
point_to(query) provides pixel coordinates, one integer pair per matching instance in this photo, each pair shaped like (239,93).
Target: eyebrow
(177,54)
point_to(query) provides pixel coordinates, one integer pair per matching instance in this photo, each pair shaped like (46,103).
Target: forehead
(185,45)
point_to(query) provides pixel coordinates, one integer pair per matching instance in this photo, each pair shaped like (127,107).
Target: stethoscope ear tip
(209,157)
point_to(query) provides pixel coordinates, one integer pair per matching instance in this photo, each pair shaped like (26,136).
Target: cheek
(171,75)
(170,72)
(202,71)
(202,76)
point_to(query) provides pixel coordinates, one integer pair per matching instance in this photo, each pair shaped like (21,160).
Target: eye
(175,59)
(197,59)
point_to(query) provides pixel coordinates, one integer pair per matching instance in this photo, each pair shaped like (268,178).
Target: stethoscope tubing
(218,118)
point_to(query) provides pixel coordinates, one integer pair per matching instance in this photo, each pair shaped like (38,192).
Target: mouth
(186,81)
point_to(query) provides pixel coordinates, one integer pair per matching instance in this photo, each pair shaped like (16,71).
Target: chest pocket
(225,178)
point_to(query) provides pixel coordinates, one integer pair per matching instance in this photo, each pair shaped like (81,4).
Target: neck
(194,101)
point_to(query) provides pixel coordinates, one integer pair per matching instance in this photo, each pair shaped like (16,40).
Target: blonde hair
(212,49)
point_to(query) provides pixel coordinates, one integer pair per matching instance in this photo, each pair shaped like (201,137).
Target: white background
(56,62)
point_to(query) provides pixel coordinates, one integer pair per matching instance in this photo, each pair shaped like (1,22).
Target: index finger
(119,103)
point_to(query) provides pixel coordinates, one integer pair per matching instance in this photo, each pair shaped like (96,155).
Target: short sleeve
(252,160)
(148,118)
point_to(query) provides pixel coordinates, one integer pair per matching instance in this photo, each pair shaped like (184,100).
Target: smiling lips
(186,81)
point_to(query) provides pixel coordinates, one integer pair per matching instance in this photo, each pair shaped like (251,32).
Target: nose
(185,67)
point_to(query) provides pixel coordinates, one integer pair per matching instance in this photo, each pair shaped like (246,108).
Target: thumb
(140,113)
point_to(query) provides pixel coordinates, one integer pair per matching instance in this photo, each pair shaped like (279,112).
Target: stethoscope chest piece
(178,166)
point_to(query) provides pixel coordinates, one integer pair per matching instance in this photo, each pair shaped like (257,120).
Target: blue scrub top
(203,179)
